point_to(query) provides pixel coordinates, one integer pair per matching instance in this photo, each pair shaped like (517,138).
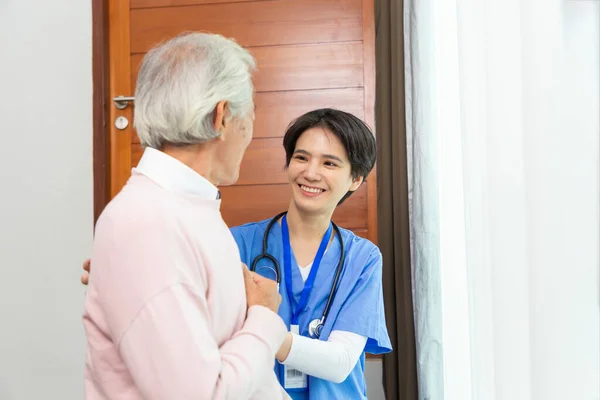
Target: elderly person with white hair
(170,311)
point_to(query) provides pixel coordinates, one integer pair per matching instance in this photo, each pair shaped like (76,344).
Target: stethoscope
(316,325)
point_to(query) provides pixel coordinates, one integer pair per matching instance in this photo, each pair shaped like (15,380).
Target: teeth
(310,190)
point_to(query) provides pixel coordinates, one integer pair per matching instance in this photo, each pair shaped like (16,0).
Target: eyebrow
(329,156)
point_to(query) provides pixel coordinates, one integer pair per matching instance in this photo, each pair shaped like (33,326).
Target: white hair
(181,82)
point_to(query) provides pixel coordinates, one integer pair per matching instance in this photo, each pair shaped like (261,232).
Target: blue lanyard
(287,266)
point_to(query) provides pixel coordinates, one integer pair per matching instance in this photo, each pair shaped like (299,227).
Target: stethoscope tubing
(338,272)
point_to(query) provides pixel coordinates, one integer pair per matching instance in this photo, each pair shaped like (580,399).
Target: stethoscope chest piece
(315,328)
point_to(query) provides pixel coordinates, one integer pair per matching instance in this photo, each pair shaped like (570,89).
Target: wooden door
(310,54)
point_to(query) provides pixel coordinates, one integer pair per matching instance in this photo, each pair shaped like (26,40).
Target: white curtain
(502,114)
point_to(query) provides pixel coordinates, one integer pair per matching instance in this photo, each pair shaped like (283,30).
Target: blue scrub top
(358,304)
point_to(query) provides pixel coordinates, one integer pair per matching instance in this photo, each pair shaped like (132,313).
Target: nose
(312,171)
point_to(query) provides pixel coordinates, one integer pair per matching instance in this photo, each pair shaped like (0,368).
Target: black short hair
(355,135)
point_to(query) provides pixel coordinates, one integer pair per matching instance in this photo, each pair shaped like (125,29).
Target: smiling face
(320,172)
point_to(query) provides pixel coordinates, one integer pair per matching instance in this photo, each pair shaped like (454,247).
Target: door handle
(121,101)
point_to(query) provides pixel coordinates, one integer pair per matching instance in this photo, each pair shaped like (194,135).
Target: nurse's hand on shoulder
(261,291)
(85,277)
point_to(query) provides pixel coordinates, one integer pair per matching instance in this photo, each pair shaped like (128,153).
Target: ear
(356,182)
(221,117)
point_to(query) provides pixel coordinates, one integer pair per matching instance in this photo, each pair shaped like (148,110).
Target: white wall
(46,212)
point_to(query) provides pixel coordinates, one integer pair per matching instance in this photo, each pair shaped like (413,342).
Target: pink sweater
(165,311)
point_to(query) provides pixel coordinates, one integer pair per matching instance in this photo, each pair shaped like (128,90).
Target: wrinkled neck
(198,157)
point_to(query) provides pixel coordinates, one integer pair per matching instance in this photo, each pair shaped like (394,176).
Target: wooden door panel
(258,23)
(263,163)
(364,233)
(327,66)
(243,204)
(275,110)
(334,65)
(169,3)
(118,83)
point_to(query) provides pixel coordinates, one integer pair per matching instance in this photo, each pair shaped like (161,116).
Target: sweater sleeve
(171,354)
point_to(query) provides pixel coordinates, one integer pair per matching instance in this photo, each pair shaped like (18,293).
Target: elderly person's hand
(261,291)
(85,277)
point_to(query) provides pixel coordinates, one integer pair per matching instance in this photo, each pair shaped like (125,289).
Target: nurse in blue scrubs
(328,155)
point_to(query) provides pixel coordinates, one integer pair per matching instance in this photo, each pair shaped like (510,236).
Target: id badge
(292,378)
